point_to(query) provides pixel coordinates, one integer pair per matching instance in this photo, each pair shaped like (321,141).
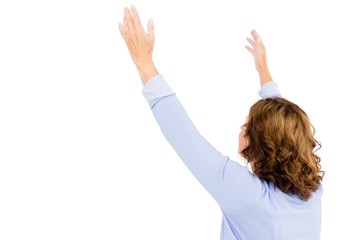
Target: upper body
(252,208)
(282,198)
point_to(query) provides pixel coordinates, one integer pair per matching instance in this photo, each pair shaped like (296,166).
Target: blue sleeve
(269,90)
(231,184)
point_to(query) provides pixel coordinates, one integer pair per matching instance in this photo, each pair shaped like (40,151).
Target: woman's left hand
(140,44)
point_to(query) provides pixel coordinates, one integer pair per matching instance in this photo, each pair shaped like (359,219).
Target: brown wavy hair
(281,147)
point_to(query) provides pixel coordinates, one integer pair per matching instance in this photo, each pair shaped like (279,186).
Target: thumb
(150,27)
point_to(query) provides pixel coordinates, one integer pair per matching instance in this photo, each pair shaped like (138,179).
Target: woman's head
(278,141)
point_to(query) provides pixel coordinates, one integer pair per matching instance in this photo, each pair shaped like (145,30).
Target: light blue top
(252,209)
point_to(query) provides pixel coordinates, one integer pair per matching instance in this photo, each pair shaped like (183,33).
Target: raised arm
(257,49)
(228,182)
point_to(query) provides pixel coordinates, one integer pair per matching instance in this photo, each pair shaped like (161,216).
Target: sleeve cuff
(155,89)
(269,90)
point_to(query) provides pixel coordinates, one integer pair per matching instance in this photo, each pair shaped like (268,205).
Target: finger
(150,27)
(124,20)
(252,51)
(256,36)
(128,22)
(251,41)
(135,17)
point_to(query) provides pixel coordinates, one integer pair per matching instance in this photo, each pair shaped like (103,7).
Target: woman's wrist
(146,70)
(264,75)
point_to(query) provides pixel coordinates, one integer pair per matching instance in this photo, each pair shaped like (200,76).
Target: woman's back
(252,208)
(274,215)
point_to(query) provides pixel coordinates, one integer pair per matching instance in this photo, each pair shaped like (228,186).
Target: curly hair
(281,147)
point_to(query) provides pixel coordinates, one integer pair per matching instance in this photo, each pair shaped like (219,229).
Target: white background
(81,156)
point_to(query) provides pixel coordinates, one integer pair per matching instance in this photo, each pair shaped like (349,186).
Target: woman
(281,199)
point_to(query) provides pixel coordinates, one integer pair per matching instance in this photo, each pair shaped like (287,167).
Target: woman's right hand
(257,49)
